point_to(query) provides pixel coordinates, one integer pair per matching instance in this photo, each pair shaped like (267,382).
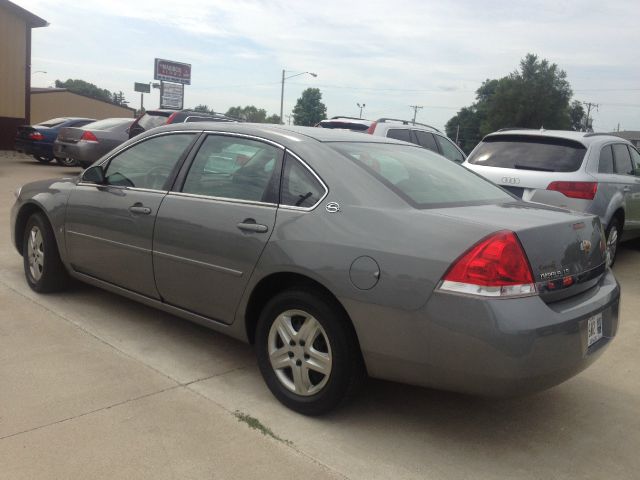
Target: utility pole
(282,98)
(361,107)
(589,106)
(289,119)
(415,111)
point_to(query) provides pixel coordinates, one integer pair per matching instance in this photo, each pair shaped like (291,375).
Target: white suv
(589,172)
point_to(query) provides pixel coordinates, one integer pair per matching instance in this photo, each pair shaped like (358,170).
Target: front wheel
(66,162)
(613,233)
(42,159)
(43,268)
(308,352)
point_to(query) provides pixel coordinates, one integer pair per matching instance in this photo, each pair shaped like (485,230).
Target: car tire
(43,268)
(43,159)
(321,366)
(67,162)
(613,234)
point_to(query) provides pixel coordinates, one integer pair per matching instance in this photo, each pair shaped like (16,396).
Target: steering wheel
(156,177)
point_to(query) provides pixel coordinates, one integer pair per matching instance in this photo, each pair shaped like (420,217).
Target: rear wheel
(66,162)
(43,268)
(42,159)
(307,352)
(614,232)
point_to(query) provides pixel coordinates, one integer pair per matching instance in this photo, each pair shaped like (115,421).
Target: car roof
(585,138)
(285,134)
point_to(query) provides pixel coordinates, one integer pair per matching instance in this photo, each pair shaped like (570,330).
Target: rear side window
(300,187)
(403,134)
(605,164)
(420,177)
(635,158)
(426,140)
(526,152)
(622,159)
(449,150)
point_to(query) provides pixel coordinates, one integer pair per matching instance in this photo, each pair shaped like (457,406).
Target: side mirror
(94,174)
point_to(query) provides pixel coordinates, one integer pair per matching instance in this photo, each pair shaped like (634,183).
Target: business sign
(142,87)
(171,95)
(176,72)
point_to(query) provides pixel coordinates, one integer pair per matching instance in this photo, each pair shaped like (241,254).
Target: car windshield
(149,121)
(422,178)
(54,122)
(108,124)
(525,152)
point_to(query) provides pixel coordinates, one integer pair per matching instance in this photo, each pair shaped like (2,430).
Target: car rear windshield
(153,120)
(108,124)
(525,152)
(422,178)
(54,122)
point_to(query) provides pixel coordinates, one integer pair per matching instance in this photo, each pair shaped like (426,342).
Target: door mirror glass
(94,174)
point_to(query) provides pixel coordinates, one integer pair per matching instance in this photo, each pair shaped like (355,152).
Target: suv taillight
(494,267)
(372,128)
(583,190)
(88,136)
(37,136)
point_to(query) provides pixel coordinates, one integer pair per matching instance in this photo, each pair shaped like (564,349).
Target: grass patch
(258,425)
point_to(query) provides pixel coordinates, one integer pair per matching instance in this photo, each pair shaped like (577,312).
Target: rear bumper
(498,347)
(42,149)
(85,153)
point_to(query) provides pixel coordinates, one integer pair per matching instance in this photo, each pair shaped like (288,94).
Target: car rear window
(149,121)
(524,152)
(54,122)
(108,123)
(422,178)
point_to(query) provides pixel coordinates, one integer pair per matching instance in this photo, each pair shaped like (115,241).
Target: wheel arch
(25,212)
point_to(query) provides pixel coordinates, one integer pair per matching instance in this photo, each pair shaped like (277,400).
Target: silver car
(587,172)
(337,254)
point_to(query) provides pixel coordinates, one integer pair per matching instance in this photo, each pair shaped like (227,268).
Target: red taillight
(584,190)
(37,136)
(88,136)
(372,128)
(171,117)
(496,266)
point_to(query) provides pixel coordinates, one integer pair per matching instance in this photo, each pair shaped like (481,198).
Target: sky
(386,54)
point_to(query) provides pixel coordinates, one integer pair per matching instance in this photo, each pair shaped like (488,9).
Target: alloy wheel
(35,252)
(612,244)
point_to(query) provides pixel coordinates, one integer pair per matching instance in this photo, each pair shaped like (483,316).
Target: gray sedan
(336,254)
(87,144)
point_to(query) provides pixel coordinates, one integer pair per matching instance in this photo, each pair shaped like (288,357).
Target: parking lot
(96,386)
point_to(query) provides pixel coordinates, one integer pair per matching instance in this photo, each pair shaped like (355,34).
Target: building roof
(39,90)
(30,19)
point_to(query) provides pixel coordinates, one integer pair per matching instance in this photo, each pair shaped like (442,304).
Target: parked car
(335,253)
(346,123)
(419,133)
(87,144)
(588,172)
(155,118)
(37,140)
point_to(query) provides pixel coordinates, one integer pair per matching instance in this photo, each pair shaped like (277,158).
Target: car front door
(630,185)
(211,231)
(109,227)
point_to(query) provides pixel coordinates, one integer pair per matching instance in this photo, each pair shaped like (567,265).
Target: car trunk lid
(70,134)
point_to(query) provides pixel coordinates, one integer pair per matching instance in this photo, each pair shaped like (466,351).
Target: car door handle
(139,209)
(250,225)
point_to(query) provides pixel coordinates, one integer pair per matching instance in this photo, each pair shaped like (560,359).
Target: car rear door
(109,227)
(211,231)
(630,184)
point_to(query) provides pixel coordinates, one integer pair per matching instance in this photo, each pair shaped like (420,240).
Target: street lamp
(282,89)
(361,107)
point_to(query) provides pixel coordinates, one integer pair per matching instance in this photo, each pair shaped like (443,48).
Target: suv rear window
(420,177)
(525,152)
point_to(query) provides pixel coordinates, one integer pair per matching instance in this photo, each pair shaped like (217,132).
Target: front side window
(635,158)
(605,164)
(420,177)
(449,150)
(148,164)
(300,188)
(622,159)
(235,168)
(403,134)
(426,140)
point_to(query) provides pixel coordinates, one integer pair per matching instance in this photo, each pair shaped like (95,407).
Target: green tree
(309,109)
(273,119)
(87,89)
(203,109)
(534,96)
(252,114)
(577,116)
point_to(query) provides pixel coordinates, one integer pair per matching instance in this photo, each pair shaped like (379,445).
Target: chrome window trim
(121,187)
(317,177)
(111,242)
(245,135)
(222,199)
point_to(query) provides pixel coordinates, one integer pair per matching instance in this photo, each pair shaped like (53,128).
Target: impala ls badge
(510,180)
(332,207)
(585,246)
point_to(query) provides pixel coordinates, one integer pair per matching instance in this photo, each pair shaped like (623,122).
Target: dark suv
(155,118)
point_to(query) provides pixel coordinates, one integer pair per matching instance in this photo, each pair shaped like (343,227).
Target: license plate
(594,329)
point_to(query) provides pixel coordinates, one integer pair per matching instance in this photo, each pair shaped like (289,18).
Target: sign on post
(141,87)
(170,71)
(171,95)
